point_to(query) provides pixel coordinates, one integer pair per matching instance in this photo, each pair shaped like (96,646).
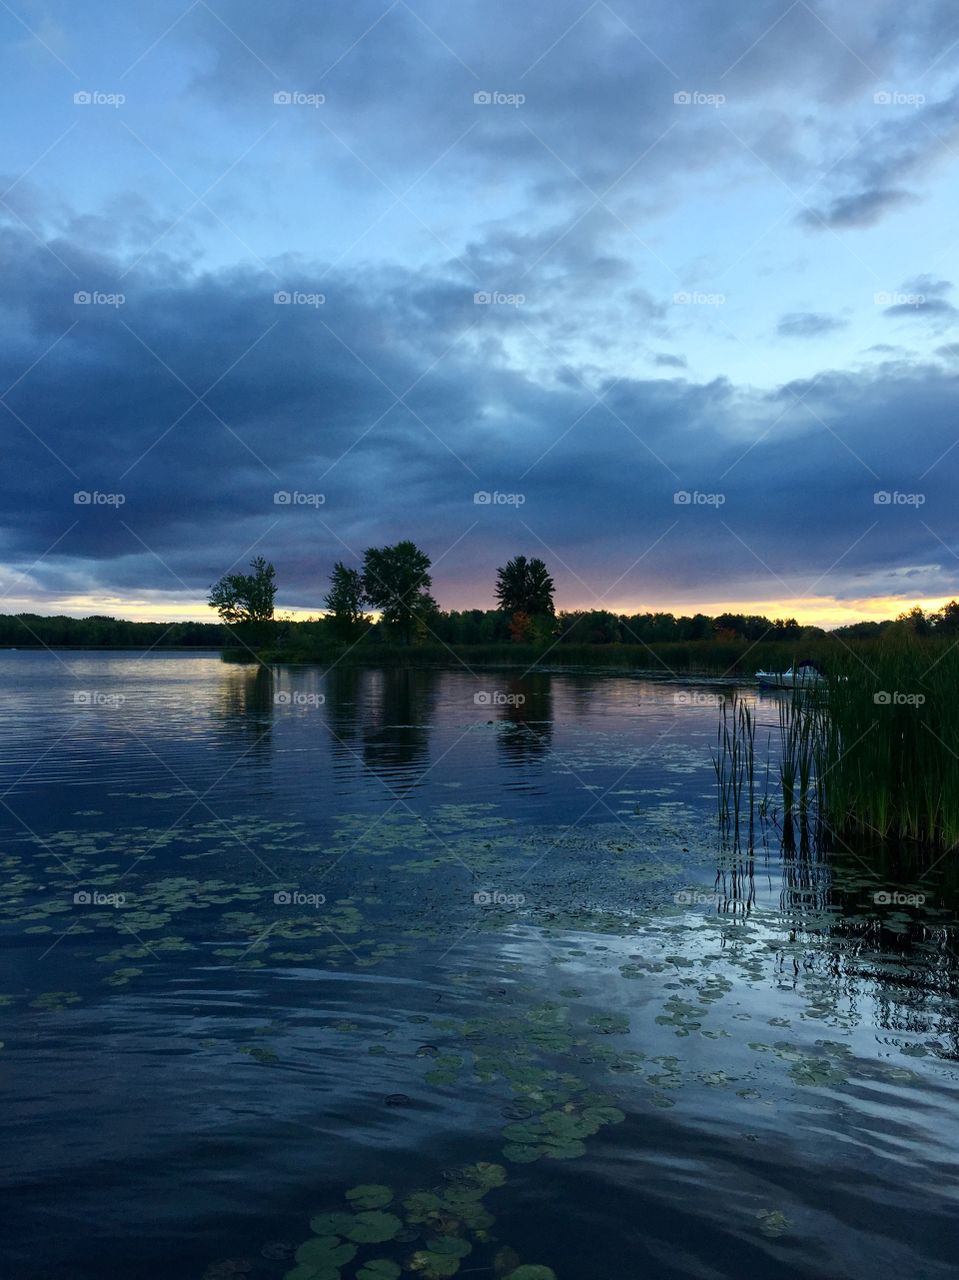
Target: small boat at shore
(803,676)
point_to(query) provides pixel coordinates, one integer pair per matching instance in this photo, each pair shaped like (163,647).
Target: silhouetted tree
(946,619)
(524,586)
(345,600)
(246,600)
(396,580)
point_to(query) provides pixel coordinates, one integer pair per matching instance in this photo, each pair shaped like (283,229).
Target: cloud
(935,308)
(396,404)
(923,297)
(808,324)
(579,213)
(906,140)
(864,209)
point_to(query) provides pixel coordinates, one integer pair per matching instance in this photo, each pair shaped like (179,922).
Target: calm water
(269,938)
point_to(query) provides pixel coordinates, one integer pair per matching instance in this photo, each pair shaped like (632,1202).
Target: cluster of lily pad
(429,1232)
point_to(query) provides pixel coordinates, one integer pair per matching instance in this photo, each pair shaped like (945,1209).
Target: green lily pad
(305,1272)
(374,1227)
(331,1224)
(518,1153)
(610,1024)
(369,1196)
(449,1246)
(434,1266)
(772,1223)
(421,1205)
(817,1071)
(51,1001)
(484,1174)
(379,1269)
(532,1273)
(326,1253)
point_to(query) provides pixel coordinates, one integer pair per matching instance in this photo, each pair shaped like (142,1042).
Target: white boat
(802,676)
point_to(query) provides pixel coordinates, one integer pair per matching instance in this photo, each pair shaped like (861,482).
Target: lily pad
(434,1266)
(326,1253)
(379,1269)
(331,1224)
(772,1223)
(449,1246)
(305,1272)
(369,1196)
(374,1227)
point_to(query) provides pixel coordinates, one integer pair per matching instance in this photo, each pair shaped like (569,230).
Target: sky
(660,293)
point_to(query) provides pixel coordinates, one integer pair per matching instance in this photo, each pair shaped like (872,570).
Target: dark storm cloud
(304,399)
(399,396)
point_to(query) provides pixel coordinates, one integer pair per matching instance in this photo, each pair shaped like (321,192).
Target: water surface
(469,936)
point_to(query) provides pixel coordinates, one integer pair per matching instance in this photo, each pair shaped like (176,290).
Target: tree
(946,619)
(246,597)
(246,600)
(524,586)
(345,600)
(915,621)
(396,580)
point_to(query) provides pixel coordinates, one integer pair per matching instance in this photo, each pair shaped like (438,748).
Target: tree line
(32,630)
(396,583)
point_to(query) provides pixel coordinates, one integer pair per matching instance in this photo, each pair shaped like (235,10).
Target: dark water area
(467,946)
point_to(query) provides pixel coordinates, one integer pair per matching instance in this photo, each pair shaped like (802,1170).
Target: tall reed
(873,751)
(735,764)
(888,745)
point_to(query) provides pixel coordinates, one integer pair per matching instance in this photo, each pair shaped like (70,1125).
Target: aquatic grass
(888,742)
(734,762)
(871,752)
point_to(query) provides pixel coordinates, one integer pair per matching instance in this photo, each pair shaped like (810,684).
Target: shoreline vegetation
(870,750)
(738,646)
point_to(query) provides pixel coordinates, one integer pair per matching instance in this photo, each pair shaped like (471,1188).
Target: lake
(465,945)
